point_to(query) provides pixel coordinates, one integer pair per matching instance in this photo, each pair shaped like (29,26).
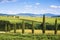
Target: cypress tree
(32,27)
(44,26)
(23,27)
(56,26)
(14,28)
(6,27)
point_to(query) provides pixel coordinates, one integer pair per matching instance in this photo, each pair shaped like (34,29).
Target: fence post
(23,27)
(56,26)
(32,27)
(15,28)
(44,26)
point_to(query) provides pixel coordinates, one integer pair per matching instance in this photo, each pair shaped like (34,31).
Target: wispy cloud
(3,1)
(43,10)
(12,0)
(28,6)
(37,4)
(54,6)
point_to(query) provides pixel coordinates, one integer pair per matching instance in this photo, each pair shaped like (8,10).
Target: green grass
(18,36)
(38,19)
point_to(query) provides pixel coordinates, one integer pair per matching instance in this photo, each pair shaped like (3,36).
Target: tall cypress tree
(44,26)
(32,27)
(6,27)
(56,26)
(9,27)
(23,27)
(15,28)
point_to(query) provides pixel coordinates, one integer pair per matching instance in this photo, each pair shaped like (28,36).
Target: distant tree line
(27,25)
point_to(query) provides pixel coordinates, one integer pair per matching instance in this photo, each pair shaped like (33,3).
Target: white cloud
(43,10)
(28,5)
(3,1)
(37,3)
(8,11)
(54,6)
(11,0)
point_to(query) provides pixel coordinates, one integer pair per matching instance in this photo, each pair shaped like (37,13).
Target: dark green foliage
(38,26)
(3,25)
(50,27)
(56,26)
(44,26)
(18,25)
(23,26)
(28,26)
(11,26)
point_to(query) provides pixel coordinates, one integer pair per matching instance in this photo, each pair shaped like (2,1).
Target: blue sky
(30,6)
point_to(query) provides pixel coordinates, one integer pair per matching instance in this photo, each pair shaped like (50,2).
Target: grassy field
(17,36)
(38,19)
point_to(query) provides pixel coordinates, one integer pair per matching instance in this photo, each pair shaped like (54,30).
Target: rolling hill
(30,14)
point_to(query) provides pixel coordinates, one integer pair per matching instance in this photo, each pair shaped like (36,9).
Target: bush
(2,24)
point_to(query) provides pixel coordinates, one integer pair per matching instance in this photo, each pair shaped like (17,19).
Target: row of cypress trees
(23,26)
